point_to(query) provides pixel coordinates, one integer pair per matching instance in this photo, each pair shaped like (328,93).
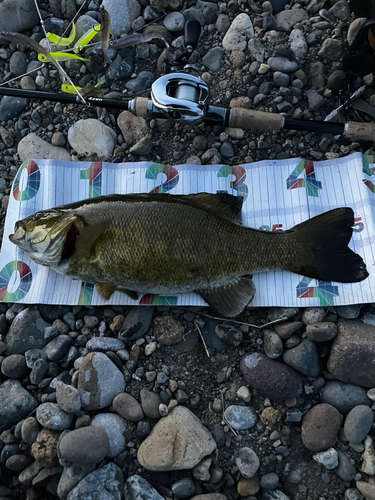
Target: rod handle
(192,33)
(362,131)
(249,119)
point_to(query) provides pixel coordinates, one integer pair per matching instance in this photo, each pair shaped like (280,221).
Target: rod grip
(140,107)
(249,119)
(358,130)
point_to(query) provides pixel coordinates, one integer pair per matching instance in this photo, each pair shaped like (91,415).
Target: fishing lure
(86,38)
(60,56)
(105,30)
(63,42)
(136,38)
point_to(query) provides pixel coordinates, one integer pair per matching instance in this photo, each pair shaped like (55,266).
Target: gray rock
(137,323)
(137,488)
(10,107)
(150,402)
(240,417)
(287,329)
(104,344)
(38,371)
(33,355)
(239,33)
(123,13)
(320,426)
(18,63)
(247,462)
(143,81)
(312,315)
(227,150)
(315,100)
(341,10)
(106,483)
(18,16)
(282,64)
(349,312)
(212,60)
(14,366)
(16,403)
(83,24)
(271,378)
(269,481)
(174,21)
(287,19)
(68,398)
(298,43)
(281,79)
(343,396)
(29,430)
(328,458)
(26,332)
(128,407)
(273,345)
(57,348)
(71,476)
(331,49)
(352,353)
(304,358)
(293,415)
(202,470)
(229,334)
(99,381)
(321,332)
(115,427)
(168,330)
(275,495)
(91,136)
(345,469)
(256,49)
(33,146)
(358,423)
(183,488)
(76,446)
(49,415)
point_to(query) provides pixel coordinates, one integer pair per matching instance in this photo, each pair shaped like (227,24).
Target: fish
(86,38)
(135,39)
(105,29)
(169,244)
(63,42)
(61,56)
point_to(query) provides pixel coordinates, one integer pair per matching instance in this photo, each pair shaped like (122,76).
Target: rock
(212,60)
(71,476)
(229,334)
(282,64)
(256,49)
(32,146)
(240,31)
(367,489)
(275,495)
(142,147)
(107,480)
(321,332)
(270,416)
(99,381)
(104,344)
(240,417)
(17,462)
(76,446)
(247,487)
(341,10)
(368,457)
(244,393)
(150,402)
(328,458)
(49,415)
(304,358)
(315,100)
(271,378)
(115,427)
(247,462)
(44,450)
(128,407)
(298,43)
(337,81)
(345,469)
(18,16)
(320,426)
(343,396)
(273,345)
(284,313)
(358,423)
(223,23)
(287,329)
(18,63)
(168,330)
(34,355)
(281,80)
(174,22)
(352,352)
(14,366)
(142,81)
(29,430)
(269,481)
(123,13)
(26,332)
(183,488)
(158,452)
(58,347)
(132,128)
(287,19)
(354,28)
(16,404)
(68,398)
(313,315)
(137,488)
(137,323)
(331,49)
(202,470)
(91,136)
(349,312)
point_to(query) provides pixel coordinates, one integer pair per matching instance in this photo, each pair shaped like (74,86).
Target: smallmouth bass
(162,243)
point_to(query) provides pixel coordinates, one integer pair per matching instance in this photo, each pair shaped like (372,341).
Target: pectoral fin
(106,290)
(230,300)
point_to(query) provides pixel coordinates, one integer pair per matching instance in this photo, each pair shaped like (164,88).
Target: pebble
(271,378)
(67,397)
(26,332)
(321,332)
(137,321)
(312,315)
(247,462)
(174,22)
(141,82)
(343,396)
(76,446)
(293,415)
(315,100)
(137,488)
(14,366)
(58,347)
(298,43)
(244,394)
(331,49)
(16,404)
(213,59)
(287,19)
(150,402)
(183,488)
(275,313)
(238,34)
(367,489)
(269,481)
(17,462)
(104,344)
(256,49)
(158,451)
(240,417)
(328,458)
(273,345)
(168,330)
(91,136)
(287,329)
(345,469)
(202,470)
(281,79)
(50,416)
(368,458)
(320,426)
(29,430)
(304,358)
(99,381)
(128,407)
(349,312)
(341,10)
(33,146)
(115,427)
(358,423)
(108,479)
(247,487)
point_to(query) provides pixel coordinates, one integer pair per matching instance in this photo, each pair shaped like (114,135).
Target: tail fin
(326,256)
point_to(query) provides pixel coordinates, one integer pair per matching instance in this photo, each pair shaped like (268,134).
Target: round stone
(247,462)
(240,417)
(49,415)
(77,446)
(320,426)
(150,402)
(248,486)
(104,344)
(344,397)
(321,332)
(115,427)
(183,488)
(269,481)
(358,423)
(14,366)
(128,407)
(273,345)
(29,430)
(174,22)
(313,315)
(33,355)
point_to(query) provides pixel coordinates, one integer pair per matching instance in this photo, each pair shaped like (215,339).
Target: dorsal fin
(225,203)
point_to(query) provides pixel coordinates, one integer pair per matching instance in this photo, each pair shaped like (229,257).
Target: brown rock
(87,445)
(286,330)
(352,354)
(246,487)
(133,128)
(44,450)
(168,330)
(270,416)
(128,407)
(320,426)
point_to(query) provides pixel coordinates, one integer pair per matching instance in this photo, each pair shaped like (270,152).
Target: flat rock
(32,146)
(137,323)
(304,358)
(178,441)
(358,423)
(99,381)
(239,33)
(247,462)
(331,49)
(68,398)
(240,417)
(287,19)
(91,136)
(321,332)
(212,60)
(343,396)
(271,378)
(352,353)
(105,483)
(345,469)
(18,16)
(49,415)
(104,344)
(115,427)
(77,446)
(137,488)
(16,403)
(26,332)
(320,426)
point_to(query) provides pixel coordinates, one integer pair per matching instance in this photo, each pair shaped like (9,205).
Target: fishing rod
(182,96)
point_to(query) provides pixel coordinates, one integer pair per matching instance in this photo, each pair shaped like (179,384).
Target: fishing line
(42,24)
(25,74)
(84,5)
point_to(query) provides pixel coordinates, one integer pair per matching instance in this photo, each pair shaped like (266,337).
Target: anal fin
(107,289)
(230,300)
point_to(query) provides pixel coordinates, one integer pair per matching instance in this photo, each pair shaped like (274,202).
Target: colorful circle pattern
(33,181)
(25,281)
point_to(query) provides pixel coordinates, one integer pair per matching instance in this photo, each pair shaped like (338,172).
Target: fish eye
(38,216)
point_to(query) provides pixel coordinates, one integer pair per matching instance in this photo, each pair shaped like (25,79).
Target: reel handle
(192,33)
